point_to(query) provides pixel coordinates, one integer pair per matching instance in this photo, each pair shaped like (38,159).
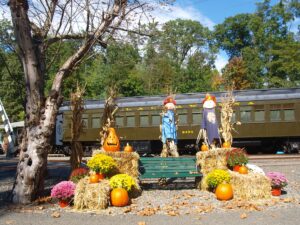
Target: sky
(209,13)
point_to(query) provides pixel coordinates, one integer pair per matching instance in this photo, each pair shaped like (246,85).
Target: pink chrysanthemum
(63,190)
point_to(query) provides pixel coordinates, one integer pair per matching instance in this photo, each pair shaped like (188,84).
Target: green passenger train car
(270,121)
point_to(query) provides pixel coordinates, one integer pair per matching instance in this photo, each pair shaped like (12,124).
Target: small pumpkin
(236,168)
(94,178)
(111,143)
(226,144)
(119,197)
(204,148)
(243,170)
(224,192)
(128,148)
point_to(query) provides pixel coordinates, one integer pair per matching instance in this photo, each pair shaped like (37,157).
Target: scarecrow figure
(168,129)
(209,121)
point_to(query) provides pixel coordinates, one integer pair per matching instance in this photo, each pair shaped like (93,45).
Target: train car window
(289,114)
(182,116)
(275,115)
(233,118)
(259,115)
(182,119)
(130,121)
(144,121)
(120,121)
(156,120)
(196,116)
(96,122)
(85,121)
(245,113)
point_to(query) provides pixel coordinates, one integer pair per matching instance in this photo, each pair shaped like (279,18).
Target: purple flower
(278,180)
(63,190)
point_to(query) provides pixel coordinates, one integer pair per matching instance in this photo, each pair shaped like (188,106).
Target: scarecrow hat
(169,99)
(209,97)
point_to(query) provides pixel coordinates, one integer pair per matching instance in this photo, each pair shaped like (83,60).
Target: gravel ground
(176,203)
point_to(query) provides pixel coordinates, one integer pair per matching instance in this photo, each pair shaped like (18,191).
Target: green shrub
(216,177)
(122,181)
(101,163)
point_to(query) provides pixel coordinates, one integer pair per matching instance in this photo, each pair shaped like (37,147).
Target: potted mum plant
(278,181)
(101,164)
(121,185)
(236,158)
(78,173)
(64,192)
(218,182)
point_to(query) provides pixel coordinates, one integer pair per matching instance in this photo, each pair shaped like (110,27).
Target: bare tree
(37,25)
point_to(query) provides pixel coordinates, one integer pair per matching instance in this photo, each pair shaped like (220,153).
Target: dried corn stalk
(227,126)
(110,109)
(77,107)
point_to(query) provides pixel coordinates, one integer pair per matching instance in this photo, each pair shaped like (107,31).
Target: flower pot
(236,168)
(276,191)
(63,203)
(101,176)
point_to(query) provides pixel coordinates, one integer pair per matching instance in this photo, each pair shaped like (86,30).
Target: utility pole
(9,131)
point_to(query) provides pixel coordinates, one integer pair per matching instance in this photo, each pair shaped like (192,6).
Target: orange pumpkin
(111,143)
(243,170)
(128,148)
(224,192)
(119,197)
(204,148)
(94,178)
(226,144)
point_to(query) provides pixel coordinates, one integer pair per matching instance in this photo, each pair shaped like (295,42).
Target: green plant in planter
(78,174)
(216,177)
(101,163)
(236,157)
(122,181)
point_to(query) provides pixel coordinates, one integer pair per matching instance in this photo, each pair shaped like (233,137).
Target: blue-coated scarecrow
(168,129)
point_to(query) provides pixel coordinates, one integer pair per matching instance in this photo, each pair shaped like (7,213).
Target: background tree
(12,89)
(235,75)
(258,37)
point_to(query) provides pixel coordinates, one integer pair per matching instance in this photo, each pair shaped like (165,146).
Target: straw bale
(212,159)
(91,196)
(250,186)
(127,162)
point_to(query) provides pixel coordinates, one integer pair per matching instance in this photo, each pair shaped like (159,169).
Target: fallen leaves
(240,204)
(9,222)
(243,216)
(43,200)
(55,214)
(148,211)
(173,213)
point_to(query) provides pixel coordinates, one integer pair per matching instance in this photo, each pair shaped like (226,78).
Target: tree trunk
(41,112)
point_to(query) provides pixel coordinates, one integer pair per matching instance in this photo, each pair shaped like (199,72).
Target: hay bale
(127,162)
(251,186)
(91,196)
(212,159)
